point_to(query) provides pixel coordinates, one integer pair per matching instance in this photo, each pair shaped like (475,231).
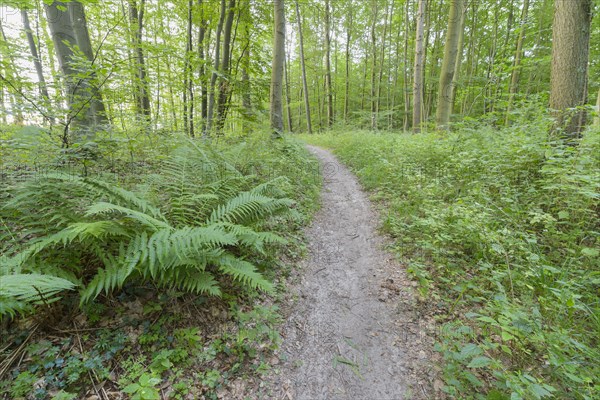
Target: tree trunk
(597,117)
(202,68)
(516,72)
(188,84)
(374,68)
(288,98)
(36,58)
(277,68)
(447,73)
(568,76)
(328,85)
(348,38)
(406,71)
(142,95)
(225,70)
(76,88)
(303,66)
(217,63)
(419,66)
(82,37)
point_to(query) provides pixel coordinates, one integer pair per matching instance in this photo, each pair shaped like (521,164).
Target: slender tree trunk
(348,39)
(303,67)
(447,73)
(388,15)
(288,96)
(188,84)
(459,57)
(597,117)
(36,58)
(143,92)
(328,85)
(570,55)
(213,79)
(374,67)
(12,75)
(202,67)
(277,69)
(406,71)
(516,71)
(225,69)
(419,67)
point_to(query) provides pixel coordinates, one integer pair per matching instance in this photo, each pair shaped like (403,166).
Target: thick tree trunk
(79,22)
(303,67)
(570,53)
(76,86)
(277,69)
(419,66)
(447,73)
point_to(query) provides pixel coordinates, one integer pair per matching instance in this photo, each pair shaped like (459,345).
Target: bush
(501,227)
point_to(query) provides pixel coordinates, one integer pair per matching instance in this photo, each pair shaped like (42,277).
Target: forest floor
(354,327)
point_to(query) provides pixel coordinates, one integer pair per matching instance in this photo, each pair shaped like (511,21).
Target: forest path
(354,330)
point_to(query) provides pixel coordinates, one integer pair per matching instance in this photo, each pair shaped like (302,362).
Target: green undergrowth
(500,228)
(180,244)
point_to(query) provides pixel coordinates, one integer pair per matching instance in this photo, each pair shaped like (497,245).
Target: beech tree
(570,54)
(277,68)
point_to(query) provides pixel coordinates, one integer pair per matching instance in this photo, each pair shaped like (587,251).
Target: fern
(18,292)
(195,225)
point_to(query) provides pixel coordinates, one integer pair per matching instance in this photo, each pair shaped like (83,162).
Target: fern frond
(141,217)
(248,206)
(244,272)
(33,288)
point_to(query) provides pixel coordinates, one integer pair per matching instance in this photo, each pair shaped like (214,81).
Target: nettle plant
(195,227)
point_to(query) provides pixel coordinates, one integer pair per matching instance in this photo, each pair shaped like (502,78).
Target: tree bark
(328,85)
(222,105)
(277,69)
(374,68)
(217,63)
(570,56)
(516,71)
(35,56)
(142,95)
(348,39)
(419,66)
(202,67)
(188,84)
(447,73)
(303,66)
(76,87)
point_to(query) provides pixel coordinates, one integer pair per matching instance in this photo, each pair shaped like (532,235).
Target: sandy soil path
(354,330)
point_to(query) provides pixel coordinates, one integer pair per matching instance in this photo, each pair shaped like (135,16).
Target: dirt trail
(354,330)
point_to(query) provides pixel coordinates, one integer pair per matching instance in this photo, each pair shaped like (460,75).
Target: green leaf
(479,362)
(590,252)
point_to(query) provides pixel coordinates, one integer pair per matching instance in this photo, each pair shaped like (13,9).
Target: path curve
(354,331)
